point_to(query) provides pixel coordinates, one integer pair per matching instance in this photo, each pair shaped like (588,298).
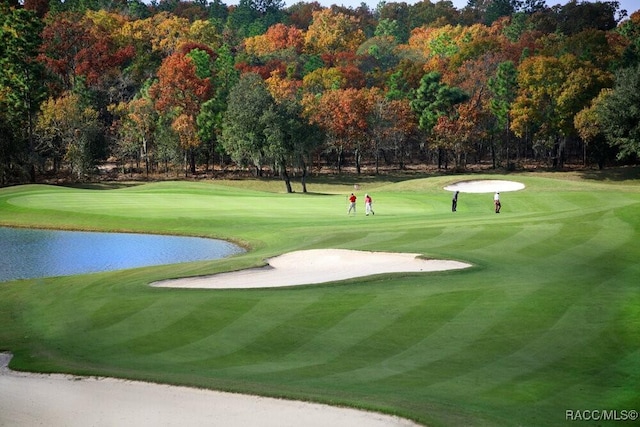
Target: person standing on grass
(352,204)
(367,205)
(496,202)
(454,202)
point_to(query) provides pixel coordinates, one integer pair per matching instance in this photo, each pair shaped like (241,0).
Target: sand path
(63,400)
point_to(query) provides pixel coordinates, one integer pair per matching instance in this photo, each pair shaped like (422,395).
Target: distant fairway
(547,320)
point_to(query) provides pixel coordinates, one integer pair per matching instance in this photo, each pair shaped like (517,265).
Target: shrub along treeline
(178,87)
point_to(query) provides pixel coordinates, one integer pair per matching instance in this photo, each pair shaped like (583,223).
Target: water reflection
(27,253)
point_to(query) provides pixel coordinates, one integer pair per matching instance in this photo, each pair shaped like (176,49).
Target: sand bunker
(65,400)
(485,186)
(315,266)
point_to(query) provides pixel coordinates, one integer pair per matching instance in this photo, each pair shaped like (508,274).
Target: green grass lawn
(547,320)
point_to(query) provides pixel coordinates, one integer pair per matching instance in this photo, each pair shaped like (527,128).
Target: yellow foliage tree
(323,79)
(206,33)
(163,31)
(333,32)
(65,130)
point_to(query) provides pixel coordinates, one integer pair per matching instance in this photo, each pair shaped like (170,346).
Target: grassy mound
(547,321)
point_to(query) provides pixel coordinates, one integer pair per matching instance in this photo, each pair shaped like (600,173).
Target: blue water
(27,254)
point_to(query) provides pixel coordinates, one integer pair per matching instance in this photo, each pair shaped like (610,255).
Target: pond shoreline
(37,252)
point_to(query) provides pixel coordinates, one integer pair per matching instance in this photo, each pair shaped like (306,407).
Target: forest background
(106,89)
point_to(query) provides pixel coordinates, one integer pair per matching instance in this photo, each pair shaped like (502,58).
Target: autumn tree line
(185,87)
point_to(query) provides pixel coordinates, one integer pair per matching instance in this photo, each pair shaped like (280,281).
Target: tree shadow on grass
(625,173)
(101,185)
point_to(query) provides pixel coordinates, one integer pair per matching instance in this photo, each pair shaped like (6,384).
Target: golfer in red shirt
(352,204)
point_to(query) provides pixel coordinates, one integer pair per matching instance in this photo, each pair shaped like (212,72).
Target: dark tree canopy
(620,114)
(434,99)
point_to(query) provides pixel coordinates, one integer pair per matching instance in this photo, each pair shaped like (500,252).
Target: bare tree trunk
(493,153)
(287,179)
(146,154)
(185,164)
(303,179)
(32,166)
(192,160)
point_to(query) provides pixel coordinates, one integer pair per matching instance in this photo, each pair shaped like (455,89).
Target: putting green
(547,320)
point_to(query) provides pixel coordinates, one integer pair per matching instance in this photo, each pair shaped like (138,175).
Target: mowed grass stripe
(185,325)
(507,322)
(264,316)
(490,363)
(426,315)
(317,364)
(579,372)
(148,205)
(334,347)
(295,333)
(516,242)
(448,338)
(454,238)
(314,358)
(166,317)
(599,238)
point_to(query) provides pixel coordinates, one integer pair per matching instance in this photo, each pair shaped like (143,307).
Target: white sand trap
(485,186)
(315,266)
(70,401)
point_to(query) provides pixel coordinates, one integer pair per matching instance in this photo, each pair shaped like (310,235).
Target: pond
(28,254)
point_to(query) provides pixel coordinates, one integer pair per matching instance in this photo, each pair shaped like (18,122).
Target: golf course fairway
(545,323)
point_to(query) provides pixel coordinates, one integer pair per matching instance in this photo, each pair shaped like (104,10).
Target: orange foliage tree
(278,37)
(344,116)
(83,46)
(179,94)
(392,125)
(136,128)
(283,88)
